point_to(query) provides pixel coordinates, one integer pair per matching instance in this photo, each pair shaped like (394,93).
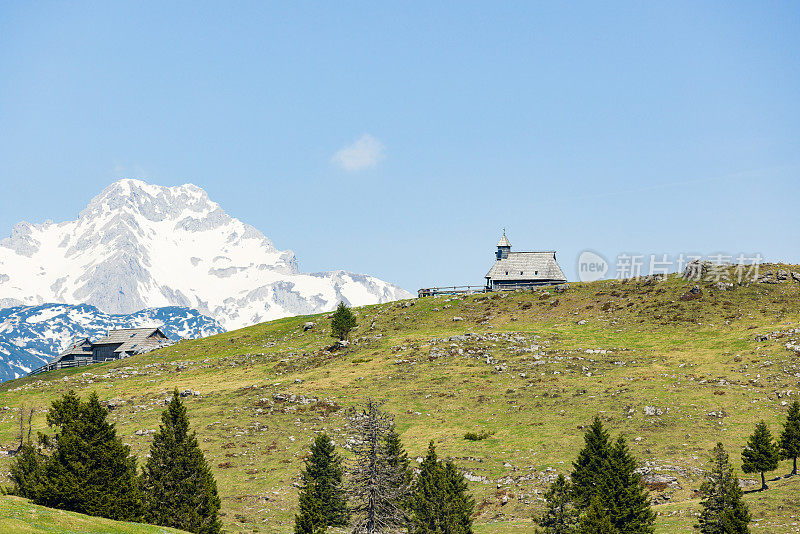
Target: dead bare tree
(25,415)
(21,426)
(375,485)
(30,421)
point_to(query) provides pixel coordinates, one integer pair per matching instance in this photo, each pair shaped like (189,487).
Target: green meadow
(529,369)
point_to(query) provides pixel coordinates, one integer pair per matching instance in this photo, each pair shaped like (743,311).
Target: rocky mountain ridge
(31,336)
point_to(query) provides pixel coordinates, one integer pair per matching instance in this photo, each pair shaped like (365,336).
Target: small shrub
(473,436)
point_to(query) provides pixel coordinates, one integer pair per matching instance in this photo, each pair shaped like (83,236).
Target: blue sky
(398,140)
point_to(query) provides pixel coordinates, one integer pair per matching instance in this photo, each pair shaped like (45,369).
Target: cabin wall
(105,352)
(500,285)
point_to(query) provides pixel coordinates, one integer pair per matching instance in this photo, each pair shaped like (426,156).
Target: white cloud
(366,152)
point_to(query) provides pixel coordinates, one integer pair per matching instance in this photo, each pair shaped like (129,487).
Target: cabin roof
(129,339)
(79,347)
(527,266)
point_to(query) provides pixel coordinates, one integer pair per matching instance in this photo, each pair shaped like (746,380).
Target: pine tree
(26,469)
(596,521)
(376,484)
(426,495)
(761,453)
(560,515)
(342,322)
(64,411)
(90,471)
(625,498)
(398,461)
(322,499)
(790,437)
(724,511)
(179,489)
(588,470)
(308,521)
(26,472)
(459,504)
(439,502)
(604,475)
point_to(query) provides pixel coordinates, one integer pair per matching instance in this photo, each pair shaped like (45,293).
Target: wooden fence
(65,365)
(451,290)
(468,290)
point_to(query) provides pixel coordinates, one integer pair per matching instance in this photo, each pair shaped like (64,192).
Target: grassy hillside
(532,368)
(18,516)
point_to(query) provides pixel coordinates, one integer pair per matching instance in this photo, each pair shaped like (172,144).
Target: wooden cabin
(127,342)
(521,270)
(80,351)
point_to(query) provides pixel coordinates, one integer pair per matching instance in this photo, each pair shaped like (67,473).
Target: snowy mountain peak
(138,245)
(153,202)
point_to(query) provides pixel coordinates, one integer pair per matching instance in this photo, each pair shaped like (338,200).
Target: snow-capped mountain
(31,336)
(141,246)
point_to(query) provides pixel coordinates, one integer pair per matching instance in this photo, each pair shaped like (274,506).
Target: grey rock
(652,410)
(660,478)
(696,269)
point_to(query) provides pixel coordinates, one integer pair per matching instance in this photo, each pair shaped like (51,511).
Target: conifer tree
(426,496)
(322,499)
(560,515)
(26,472)
(790,437)
(761,453)
(179,489)
(26,469)
(596,520)
(623,495)
(724,511)
(308,521)
(342,322)
(439,501)
(604,475)
(377,486)
(459,504)
(588,470)
(64,411)
(398,461)
(90,471)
